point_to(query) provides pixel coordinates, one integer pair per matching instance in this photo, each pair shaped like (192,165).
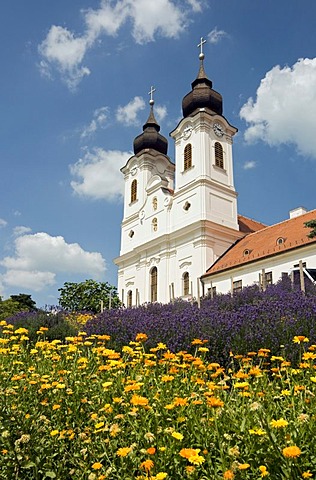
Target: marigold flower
(291,452)
(214,402)
(177,435)
(161,476)
(141,337)
(97,466)
(123,451)
(138,400)
(188,452)
(263,471)
(257,431)
(151,450)
(280,423)
(147,465)
(196,459)
(229,475)
(243,466)
(53,433)
(307,474)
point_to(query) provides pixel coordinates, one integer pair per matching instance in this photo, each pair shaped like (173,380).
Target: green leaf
(29,464)
(50,475)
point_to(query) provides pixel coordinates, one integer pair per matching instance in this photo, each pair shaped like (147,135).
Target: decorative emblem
(133,171)
(187,132)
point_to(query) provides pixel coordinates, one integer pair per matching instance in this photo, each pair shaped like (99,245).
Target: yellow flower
(196,459)
(188,452)
(214,402)
(161,476)
(313,379)
(243,466)
(257,431)
(53,433)
(56,406)
(123,451)
(138,400)
(97,466)
(300,339)
(291,452)
(307,474)
(177,435)
(263,471)
(279,423)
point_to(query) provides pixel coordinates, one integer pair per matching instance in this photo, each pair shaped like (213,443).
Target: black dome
(151,138)
(202,96)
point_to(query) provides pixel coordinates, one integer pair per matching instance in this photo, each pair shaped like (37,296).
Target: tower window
(186,283)
(188,156)
(129,298)
(134,191)
(154,224)
(153,284)
(237,286)
(219,155)
(155,203)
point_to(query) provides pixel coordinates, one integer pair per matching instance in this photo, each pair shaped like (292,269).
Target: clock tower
(184,215)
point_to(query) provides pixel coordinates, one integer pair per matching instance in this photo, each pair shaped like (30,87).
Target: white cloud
(160,112)
(100,174)
(3,223)
(62,50)
(65,52)
(99,121)
(128,115)
(249,165)
(21,230)
(216,35)
(39,257)
(284,111)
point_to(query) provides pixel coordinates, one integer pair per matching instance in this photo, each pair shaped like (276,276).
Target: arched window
(188,156)
(154,224)
(186,283)
(219,155)
(153,284)
(134,191)
(129,298)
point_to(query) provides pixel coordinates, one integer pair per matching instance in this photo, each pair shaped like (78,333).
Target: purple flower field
(244,322)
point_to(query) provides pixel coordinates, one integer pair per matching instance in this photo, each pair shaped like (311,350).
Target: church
(181,234)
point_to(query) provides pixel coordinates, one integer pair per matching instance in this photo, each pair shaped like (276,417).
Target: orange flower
(188,452)
(151,450)
(141,337)
(138,400)
(291,452)
(214,402)
(97,466)
(147,465)
(229,475)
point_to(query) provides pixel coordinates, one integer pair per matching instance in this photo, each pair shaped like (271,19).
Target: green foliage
(87,296)
(25,301)
(8,308)
(311,224)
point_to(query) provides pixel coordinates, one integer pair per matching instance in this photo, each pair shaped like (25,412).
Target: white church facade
(180,218)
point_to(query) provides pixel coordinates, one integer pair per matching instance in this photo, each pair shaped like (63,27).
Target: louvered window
(129,299)
(219,156)
(186,283)
(134,191)
(188,156)
(153,284)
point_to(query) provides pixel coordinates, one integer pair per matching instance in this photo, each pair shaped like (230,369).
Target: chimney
(296,212)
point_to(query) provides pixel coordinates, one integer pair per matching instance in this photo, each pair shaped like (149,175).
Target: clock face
(218,129)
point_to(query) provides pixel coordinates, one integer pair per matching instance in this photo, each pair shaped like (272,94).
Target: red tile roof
(266,242)
(248,225)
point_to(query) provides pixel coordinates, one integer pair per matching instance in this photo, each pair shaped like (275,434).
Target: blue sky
(75,79)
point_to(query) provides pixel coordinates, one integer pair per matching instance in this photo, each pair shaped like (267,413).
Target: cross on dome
(151,93)
(200,45)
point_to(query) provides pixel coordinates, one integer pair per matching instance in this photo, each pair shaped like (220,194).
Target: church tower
(178,218)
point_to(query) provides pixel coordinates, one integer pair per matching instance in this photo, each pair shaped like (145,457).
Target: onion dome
(202,95)
(151,138)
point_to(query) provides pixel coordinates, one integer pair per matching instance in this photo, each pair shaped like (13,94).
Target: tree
(311,224)
(25,301)
(8,308)
(88,296)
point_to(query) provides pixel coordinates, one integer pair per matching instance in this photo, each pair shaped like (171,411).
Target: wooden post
(302,279)
(198,292)
(264,280)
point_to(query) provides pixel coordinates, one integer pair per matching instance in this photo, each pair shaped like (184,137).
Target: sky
(74,80)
